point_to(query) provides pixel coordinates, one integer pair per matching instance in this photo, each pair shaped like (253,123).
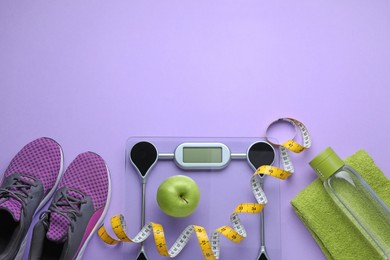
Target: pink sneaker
(76,211)
(27,184)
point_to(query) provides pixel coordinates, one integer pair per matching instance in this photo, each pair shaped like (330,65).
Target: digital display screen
(202,154)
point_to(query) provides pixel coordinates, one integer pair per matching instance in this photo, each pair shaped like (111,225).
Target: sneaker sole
(22,248)
(80,254)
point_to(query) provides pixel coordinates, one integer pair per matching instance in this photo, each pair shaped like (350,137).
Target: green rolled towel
(337,237)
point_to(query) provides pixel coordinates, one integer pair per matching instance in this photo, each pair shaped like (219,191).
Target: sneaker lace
(68,206)
(19,188)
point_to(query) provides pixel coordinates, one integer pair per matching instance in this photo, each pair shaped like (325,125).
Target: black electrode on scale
(259,154)
(143,156)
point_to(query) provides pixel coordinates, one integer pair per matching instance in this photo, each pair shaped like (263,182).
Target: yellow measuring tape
(236,232)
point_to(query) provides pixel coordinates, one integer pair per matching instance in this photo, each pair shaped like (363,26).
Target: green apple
(178,196)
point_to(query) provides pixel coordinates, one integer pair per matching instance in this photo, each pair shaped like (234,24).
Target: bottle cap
(326,163)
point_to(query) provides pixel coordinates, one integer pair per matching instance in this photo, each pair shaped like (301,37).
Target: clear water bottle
(356,199)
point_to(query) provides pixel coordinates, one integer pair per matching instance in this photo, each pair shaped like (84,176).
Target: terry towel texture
(338,238)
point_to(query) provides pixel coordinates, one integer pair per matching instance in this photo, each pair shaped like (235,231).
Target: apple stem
(184,199)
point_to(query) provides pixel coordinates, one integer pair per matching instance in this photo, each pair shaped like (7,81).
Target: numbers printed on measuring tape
(284,148)
(209,248)
(236,232)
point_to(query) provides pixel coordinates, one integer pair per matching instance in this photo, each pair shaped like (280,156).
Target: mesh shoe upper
(85,176)
(39,160)
(26,185)
(13,194)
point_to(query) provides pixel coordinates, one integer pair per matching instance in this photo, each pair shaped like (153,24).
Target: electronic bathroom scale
(221,168)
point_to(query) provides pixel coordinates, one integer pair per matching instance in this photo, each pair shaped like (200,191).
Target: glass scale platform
(221,191)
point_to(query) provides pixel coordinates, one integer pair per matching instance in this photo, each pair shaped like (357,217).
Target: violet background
(90,74)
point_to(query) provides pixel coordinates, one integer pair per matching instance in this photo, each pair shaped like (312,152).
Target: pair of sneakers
(80,198)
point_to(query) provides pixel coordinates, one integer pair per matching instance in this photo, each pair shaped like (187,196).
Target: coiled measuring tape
(236,232)
(289,145)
